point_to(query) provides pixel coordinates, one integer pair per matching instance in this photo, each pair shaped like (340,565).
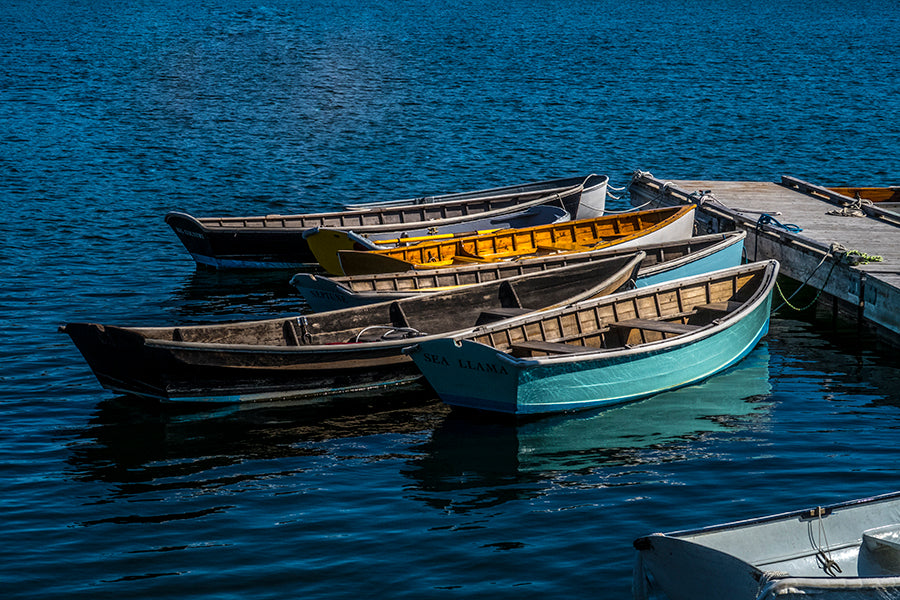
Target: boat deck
(796,223)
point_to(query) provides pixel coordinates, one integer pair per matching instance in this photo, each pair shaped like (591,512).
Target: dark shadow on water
(131,442)
(494,460)
(839,355)
(467,460)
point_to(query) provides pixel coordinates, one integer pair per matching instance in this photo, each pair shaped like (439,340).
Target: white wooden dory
(592,202)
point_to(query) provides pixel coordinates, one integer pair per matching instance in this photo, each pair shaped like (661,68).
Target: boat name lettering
(485,367)
(188,233)
(436,359)
(329,296)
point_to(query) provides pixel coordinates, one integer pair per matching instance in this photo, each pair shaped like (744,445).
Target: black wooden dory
(276,241)
(350,350)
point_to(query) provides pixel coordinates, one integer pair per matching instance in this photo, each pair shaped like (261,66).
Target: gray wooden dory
(847,551)
(337,352)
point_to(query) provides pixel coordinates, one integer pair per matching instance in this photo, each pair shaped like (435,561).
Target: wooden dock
(806,228)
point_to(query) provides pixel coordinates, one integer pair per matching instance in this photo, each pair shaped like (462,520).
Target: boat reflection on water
(495,458)
(135,441)
(457,459)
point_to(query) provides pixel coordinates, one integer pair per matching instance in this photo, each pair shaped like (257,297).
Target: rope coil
(767,219)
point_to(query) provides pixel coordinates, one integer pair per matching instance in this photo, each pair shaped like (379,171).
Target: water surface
(113,114)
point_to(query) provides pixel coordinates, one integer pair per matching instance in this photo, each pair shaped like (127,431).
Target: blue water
(113,113)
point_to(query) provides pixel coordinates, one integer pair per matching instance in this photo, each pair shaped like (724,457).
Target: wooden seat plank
(551,347)
(727,306)
(650,325)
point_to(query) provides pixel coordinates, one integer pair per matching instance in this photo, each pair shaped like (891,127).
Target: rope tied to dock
(660,194)
(767,219)
(855,257)
(834,249)
(852,209)
(841,255)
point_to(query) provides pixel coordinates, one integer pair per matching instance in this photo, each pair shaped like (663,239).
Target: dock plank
(871,290)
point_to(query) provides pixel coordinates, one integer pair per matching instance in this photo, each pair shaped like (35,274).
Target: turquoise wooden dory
(665,261)
(605,351)
(846,551)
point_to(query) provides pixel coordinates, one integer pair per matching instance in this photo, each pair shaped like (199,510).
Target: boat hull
(628,230)
(171,372)
(324,244)
(338,352)
(713,252)
(276,241)
(470,374)
(790,555)
(592,204)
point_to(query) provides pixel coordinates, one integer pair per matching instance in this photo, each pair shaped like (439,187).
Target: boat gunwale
(725,240)
(223,224)
(678,213)
(759,297)
(502,191)
(629,264)
(806,513)
(345,285)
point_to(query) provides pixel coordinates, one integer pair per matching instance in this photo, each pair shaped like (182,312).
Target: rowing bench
(651,325)
(551,347)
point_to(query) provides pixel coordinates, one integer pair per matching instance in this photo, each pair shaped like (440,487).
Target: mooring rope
(855,257)
(787,301)
(852,209)
(767,219)
(850,257)
(635,176)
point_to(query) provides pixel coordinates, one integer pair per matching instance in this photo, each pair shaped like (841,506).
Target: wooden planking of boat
(276,241)
(325,243)
(604,351)
(665,261)
(625,230)
(846,551)
(889,194)
(344,351)
(593,201)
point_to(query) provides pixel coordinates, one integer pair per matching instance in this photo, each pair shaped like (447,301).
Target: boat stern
(592,202)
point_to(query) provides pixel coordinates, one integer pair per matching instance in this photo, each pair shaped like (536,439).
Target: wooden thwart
(551,347)
(728,306)
(650,325)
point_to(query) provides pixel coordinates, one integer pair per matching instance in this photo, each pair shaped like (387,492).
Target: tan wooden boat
(624,230)
(875,194)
